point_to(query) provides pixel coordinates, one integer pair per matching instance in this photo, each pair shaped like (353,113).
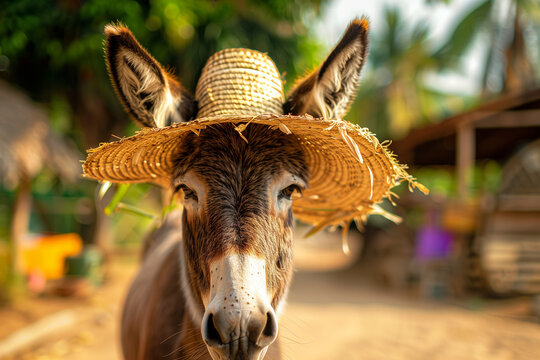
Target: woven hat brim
(350,171)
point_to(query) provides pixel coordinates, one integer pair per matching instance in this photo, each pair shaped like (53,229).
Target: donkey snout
(223,327)
(239,321)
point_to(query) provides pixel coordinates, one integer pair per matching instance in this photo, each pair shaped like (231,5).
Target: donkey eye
(288,191)
(188,193)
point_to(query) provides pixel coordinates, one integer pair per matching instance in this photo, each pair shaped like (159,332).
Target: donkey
(214,279)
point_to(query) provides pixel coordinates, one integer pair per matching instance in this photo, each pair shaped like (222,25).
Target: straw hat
(350,170)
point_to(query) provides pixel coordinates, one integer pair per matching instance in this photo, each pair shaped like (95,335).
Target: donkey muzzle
(239,322)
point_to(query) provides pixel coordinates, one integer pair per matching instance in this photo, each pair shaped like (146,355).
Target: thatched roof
(27,143)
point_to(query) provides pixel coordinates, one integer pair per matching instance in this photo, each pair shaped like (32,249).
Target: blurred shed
(506,129)
(27,145)
(509,235)
(493,130)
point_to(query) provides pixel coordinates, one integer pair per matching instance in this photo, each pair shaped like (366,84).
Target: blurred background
(455,84)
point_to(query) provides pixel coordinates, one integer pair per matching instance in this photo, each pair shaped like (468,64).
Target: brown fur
(153,307)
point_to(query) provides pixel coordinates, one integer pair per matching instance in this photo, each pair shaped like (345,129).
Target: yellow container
(45,255)
(460,218)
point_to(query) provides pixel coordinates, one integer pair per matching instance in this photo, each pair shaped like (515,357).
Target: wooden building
(506,129)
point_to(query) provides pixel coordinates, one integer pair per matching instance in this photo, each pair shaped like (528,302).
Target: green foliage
(509,32)
(461,38)
(438,1)
(48,42)
(442,182)
(51,40)
(137,211)
(121,191)
(116,204)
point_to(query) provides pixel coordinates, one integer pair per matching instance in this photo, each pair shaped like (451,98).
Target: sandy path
(332,316)
(336,316)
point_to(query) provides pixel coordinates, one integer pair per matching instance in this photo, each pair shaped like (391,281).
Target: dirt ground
(335,315)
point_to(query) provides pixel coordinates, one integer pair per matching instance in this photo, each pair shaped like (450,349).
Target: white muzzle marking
(238,284)
(238,306)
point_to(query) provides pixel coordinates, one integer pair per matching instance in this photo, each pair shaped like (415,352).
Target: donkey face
(238,231)
(236,256)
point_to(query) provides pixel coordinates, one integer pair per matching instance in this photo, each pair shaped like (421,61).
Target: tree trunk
(519,72)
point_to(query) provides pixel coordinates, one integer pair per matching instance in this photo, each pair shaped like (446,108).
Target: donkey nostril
(211,333)
(270,330)
(267,330)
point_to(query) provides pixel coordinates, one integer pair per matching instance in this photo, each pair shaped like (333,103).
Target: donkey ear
(150,95)
(330,90)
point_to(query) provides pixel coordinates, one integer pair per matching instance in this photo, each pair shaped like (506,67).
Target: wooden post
(465,156)
(103,236)
(20,219)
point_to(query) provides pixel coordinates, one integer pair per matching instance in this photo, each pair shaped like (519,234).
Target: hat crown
(239,82)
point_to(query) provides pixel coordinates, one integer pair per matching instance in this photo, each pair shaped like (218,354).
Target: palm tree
(509,32)
(395,95)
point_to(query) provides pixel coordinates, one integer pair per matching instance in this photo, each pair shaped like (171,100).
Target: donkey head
(236,256)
